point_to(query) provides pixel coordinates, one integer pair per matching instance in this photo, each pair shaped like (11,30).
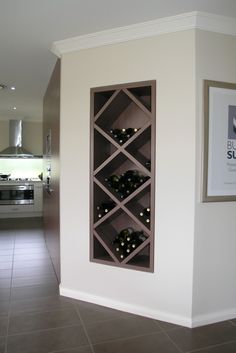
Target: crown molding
(183,22)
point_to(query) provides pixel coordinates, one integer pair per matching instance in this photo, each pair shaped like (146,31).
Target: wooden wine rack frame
(122,106)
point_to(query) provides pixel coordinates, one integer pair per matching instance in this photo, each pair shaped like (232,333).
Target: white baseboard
(196,321)
(212,318)
(126,307)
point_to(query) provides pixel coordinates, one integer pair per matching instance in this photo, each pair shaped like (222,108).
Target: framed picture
(219,172)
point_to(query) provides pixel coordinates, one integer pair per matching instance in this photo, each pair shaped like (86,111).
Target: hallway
(35,319)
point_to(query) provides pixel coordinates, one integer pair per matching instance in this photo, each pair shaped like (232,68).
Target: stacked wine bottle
(104,208)
(127,241)
(122,135)
(145,214)
(127,182)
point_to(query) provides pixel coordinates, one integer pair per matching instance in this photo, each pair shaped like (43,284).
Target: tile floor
(35,319)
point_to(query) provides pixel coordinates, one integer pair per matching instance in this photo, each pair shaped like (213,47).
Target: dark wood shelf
(122,106)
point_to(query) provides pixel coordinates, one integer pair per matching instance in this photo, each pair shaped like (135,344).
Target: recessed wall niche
(122,206)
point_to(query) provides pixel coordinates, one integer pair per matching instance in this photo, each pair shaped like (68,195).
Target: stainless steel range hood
(15,149)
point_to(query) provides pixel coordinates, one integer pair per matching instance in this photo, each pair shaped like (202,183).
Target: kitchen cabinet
(10,204)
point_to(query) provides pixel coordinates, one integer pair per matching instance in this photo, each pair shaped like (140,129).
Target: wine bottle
(145,214)
(105,207)
(131,131)
(139,237)
(127,182)
(115,132)
(148,164)
(122,254)
(126,233)
(113,181)
(122,135)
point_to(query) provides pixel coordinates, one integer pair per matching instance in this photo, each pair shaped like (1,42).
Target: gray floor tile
(41,321)
(26,257)
(28,251)
(6,258)
(31,263)
(33,281)
(30,245)
(6,265)
(166,326)
(92,313)
(4,252)
(200,337)
(41,304)
(4,294)
(5,238)
(224,348)
(155,343)
(46,270)
(5,283)
(47,341)
(19,293)
(2,344)
(3,325)
(5,274)
(7,246)
(121,328)
(84,349)
(4,307)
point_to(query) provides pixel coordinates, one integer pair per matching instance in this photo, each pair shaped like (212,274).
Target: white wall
(214,295)
(170,60)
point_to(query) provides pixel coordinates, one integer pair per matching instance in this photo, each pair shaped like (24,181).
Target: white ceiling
(29,27)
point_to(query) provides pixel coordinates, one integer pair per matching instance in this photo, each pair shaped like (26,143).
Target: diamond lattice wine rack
(122,175)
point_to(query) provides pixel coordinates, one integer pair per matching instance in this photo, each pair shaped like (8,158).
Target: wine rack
(122,195)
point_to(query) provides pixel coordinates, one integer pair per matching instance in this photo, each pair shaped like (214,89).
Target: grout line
(130,338)
(9,307)
(43,330)
(84,327)
(173,342)
(71,349)
(232,323)
(51,260)
(211,346)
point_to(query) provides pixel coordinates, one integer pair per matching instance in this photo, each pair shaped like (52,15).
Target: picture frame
(219,165)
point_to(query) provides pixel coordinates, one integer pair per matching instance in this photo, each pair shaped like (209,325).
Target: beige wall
(214,295)
(170,60)
(32,136)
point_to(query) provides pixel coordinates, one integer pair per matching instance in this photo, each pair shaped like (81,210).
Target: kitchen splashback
(27,168)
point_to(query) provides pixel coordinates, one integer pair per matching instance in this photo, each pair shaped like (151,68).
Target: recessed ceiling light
(14,108)
(13,88)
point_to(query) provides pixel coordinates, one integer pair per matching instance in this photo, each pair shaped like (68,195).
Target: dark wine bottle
(131,131)
(105,207)
(127,182)
(113,181)
(122,135)
(122,254)
(115,132)
(145,214)
(126,233)
(148,164)
(127,241)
